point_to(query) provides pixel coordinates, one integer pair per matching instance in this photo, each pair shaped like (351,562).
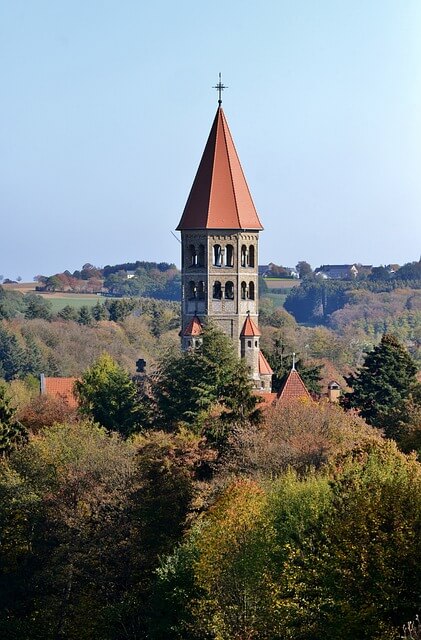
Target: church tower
(219,237)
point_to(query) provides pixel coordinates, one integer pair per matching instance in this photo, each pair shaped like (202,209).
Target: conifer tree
(192,382)
(99,312)
(383,384)
(12,356)
(12,432)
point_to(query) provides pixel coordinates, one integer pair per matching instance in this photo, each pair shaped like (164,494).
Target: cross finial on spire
(220,87)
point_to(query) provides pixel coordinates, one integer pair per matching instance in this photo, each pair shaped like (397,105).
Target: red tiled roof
(194,328)
(249,329)
(267,399)
(220,197)
(61,388)
(264,366)
(293,389)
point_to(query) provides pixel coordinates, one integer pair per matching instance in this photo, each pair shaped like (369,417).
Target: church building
(220,241)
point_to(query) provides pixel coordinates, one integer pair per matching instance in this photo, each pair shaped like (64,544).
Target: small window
(243,291)
(229,291)
(255,343)
(249,343)
(251,290)
(192,255)
(230,255)
(251,256)
(217,290)
(217,255)
(192,290)
(201,290)
(243,255)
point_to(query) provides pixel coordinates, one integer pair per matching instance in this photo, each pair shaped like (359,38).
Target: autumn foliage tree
(108,395)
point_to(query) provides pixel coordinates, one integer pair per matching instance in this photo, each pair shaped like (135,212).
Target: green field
(278,299)
(75,300)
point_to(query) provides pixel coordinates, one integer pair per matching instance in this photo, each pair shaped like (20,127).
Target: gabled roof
(220,197)
(249,329)
(264,366)
(60,388)
(293,389)
(194,328)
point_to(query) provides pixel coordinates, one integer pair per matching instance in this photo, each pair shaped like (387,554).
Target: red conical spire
(219,197)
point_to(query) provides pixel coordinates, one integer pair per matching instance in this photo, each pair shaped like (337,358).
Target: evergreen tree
(99,312)
(12,432)
(34,361)
(37,307)
(383,384)
(12,356)
(85,316)
(119,309)
(193,382)
(68,313)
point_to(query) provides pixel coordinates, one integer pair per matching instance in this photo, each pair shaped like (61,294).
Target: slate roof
(220,197)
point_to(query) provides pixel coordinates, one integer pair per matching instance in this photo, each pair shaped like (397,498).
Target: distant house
(264,270)
(272,270)
(59,388)
(130,274)
(341,271)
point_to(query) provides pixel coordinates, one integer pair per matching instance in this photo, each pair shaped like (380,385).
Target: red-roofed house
(59,388)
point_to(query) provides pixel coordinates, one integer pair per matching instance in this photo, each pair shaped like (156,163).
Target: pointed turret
(191,336)
(249,328)
(220,197)
(293,389)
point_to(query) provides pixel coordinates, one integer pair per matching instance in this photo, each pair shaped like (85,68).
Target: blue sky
(105,107)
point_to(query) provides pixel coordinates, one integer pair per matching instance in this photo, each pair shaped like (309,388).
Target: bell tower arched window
(192,290)
(229,255)
(251,256)
(201,256)
(217,255)
(229,290)
(201,290)
(217,290)
(243,290)
(251,290)
(191,256)
(243,255)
